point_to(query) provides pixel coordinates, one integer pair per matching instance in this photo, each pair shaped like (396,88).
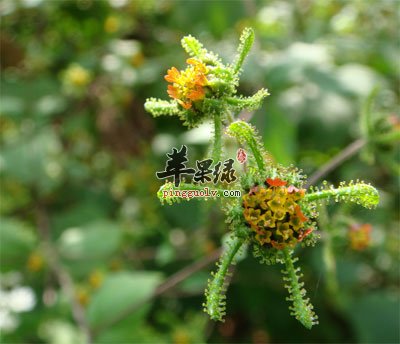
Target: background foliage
(83,235)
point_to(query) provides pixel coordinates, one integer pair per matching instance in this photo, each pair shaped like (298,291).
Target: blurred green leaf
(17,240)
(119,292)
(57,331)
(376,317)
(93,241)
(22,97)
(33,160)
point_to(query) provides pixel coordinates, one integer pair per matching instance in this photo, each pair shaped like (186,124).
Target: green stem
(215,293)
(366,123)
(231,119)
(360,193)
(256,153)
(328,255)
(324,194)
(390,137)
(244,132)
(301,308)
(217,144)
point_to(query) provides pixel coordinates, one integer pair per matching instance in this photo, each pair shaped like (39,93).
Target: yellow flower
(272,212)
(35,262)
(76,75)
(82,295)
(111,24)
(188,85)
(96,279)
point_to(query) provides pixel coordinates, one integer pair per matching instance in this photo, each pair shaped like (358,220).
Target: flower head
(188,85)
(274,215)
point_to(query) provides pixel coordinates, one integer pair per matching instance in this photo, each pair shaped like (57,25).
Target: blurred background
(86,248)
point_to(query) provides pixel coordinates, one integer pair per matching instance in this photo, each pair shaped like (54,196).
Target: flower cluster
(188,85)
(274,215)
(275,212)
(206,89)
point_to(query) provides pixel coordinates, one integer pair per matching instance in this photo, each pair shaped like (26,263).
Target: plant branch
(64,279)
(336,161)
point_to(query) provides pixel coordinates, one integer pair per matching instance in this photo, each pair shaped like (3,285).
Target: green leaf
(17,241)
(57,331)
(24,97)
(90,208)
(34,160)
(93,241)
(375,317)
(246,41)
(158,107)
(120,292)
(193,47)
(249,103)
(11,106)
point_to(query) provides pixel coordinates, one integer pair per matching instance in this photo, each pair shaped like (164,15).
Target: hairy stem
(245,133)
(246,41)
(215,293)
(217,144)
(360,193)
(301,307)
(256,153)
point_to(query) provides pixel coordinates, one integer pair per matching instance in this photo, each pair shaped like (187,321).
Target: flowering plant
(276,212)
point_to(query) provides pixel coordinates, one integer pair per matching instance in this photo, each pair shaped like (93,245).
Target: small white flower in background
(8,321)
(17,300)
(21,299)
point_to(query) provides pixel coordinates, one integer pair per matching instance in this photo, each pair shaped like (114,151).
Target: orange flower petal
(172,91)
(303,234)
(188,84)
(186,105)
(201,80)
(277,245)
(192,61)
(276,182)
(196,94)
(172,75)
(198,65)
(300,214)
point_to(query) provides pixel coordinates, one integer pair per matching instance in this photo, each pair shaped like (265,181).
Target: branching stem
(336,161)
